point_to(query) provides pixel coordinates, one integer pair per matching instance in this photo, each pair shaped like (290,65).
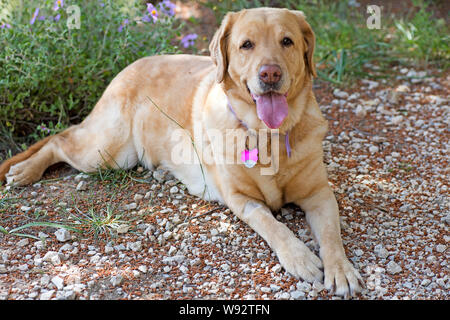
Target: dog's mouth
(271,108)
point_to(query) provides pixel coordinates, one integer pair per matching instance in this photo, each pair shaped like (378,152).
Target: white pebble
(58,282)
(82,186)
(116,280)
(373,149)
(22,242)
(63,235)
(393,268)
(25,208)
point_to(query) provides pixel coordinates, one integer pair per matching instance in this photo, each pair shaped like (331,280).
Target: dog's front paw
(298,260)
(341,278)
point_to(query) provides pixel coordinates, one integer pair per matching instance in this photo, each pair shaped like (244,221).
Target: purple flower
(152,13)
(5,25)
(41,18)
(57,17)
(167,7)
(189,40)
(44,129)
(35,14)
(124,23)
(58,4)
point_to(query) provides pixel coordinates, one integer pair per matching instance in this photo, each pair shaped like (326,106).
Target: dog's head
(263,56)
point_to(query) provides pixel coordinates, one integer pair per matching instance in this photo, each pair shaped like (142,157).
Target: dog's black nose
(270,73)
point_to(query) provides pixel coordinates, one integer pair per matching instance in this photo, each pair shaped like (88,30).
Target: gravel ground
(139,235)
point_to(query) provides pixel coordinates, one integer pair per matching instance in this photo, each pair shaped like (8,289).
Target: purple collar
(286,137)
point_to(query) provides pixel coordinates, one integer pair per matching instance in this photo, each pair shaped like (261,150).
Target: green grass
(99,222)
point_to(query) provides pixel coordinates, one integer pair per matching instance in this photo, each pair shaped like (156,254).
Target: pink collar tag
(249,157)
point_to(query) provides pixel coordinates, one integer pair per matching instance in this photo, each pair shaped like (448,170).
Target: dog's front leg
(293,254)
(322,214)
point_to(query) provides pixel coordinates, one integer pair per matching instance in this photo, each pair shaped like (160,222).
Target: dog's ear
(218,46)
(310,41)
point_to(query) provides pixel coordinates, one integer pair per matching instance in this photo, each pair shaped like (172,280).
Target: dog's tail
(7,164)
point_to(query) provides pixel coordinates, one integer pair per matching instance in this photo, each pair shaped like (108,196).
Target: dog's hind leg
(104,139)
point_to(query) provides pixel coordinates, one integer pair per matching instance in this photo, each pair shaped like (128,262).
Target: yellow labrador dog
(258,79)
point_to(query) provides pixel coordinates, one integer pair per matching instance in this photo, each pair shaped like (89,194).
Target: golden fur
(133,121)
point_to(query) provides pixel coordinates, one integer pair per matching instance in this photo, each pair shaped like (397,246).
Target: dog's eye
(287,42)
(247,45)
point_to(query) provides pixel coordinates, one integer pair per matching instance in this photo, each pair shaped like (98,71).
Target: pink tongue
(272,108)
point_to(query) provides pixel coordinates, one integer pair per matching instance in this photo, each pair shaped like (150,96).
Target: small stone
(425,282)
(214,232)
(277,268)
(373,149)
(340,94)
(359,252)
(130,206)
(172,250)
(441,248)
(174,189)
(381,252)
(265,289)
(138,197)
(393,268)
(66,295)
(135,246)
(23,267)
(25,208)
(396,119)
(82,186)
(80,176)
(183,269)
(274,288)
(116,280)
(22,243)
(159,175)
(46,295)
(360,111)
(53,257)
(284,296)
(148,195)
(393,96)
(58,282)
(108,249)
(371,84)
(63,235)
(402,88)
(123,228)
(297,294)
(143,269)
(167,269)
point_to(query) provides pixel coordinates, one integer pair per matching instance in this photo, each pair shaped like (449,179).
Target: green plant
(422,37)
(53,75)
(99,222)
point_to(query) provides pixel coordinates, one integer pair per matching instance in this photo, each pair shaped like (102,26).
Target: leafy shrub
(52,75)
